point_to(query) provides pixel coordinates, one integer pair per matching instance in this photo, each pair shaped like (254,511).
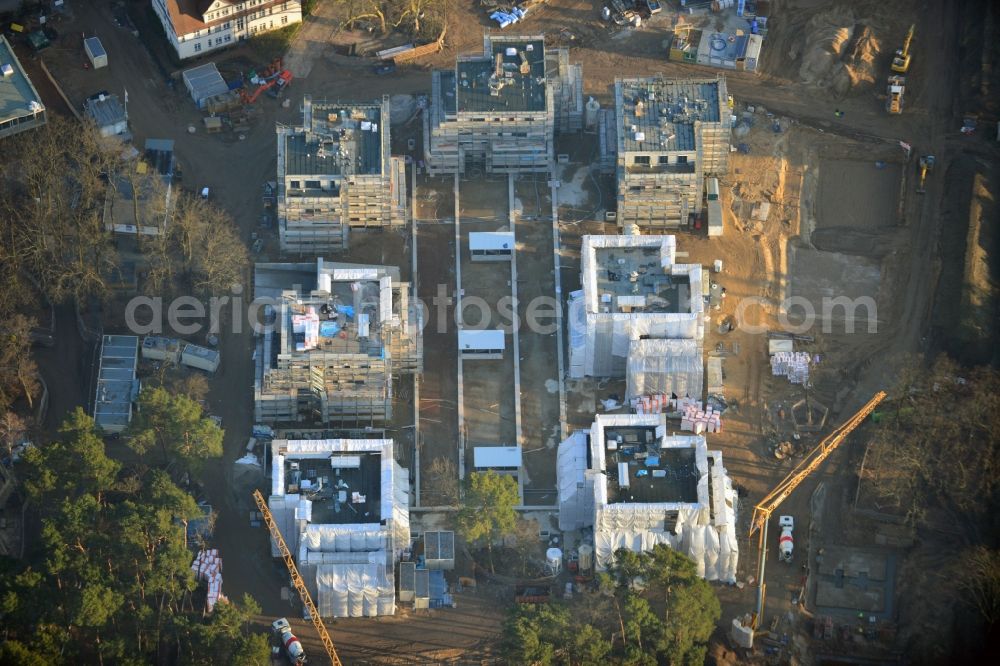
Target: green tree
(546,634)
(109,579)
(226,637)
(487,512)
(174,426)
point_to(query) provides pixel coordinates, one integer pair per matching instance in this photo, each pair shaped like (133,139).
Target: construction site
(333,344)
(600,256)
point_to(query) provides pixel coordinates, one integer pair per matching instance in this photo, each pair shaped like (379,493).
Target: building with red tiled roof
(197,27)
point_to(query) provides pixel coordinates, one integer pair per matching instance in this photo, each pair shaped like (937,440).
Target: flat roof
(105,110)
(491,240)
(659,114)
(16,91)
(520,86)
(340,139)
(116,385)
(204,81)
(481,339)
(640,451)
(486,457)
(636,274)
(331,488)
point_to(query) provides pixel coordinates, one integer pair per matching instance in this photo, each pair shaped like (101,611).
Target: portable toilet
(95,51)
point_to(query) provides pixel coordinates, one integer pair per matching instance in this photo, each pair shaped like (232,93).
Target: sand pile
(838,52)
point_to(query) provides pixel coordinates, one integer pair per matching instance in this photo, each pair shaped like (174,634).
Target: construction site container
(480,345)
(201,358)
(491,245)
(712,187)
(439,550)
(714,217)
(156,348)
(95,51)
(407,580)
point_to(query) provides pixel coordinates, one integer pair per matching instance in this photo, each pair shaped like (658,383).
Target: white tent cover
(354,590)
(576,491)
(665,367)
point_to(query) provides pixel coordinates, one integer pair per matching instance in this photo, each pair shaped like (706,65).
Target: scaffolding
(332,353)
(498,111)
(670,134)
(335,173)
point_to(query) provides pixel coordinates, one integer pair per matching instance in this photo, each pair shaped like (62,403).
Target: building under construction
(671,134)
(335,336)
(335,173)
(639,315)
(497,112)
(342,506)
(639,486)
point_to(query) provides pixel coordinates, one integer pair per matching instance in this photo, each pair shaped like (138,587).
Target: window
(312,185)
(229,38)
(284,20)
(642,160)
(296,184)
(218,41)
(664,159)
(226,26)
(197,47)
(682,159)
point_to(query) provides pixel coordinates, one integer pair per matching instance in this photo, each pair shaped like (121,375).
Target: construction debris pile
(207,566)
(794,365)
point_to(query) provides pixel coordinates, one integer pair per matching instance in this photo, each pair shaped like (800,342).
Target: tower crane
(762,512)
(297,581)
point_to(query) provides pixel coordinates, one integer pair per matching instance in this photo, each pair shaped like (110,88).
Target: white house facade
(197,27)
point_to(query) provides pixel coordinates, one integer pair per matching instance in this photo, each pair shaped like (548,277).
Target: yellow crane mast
(297,581)
(763,510)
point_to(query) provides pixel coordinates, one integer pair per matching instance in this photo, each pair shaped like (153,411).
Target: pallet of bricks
(698,419)
(794,365)
(207,566)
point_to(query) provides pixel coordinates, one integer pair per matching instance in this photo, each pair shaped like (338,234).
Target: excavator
(926,166)
(280,79)
(763,510)
(300,587)
(901,61)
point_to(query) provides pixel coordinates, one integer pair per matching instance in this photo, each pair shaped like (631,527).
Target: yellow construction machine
(926,165)
(901,61)
(763,510)
(895,91)
(297,581)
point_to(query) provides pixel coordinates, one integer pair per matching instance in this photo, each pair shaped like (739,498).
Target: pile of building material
(697,420)
(794,365)
(207,566)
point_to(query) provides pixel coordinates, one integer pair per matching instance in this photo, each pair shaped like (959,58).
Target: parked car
(385,68)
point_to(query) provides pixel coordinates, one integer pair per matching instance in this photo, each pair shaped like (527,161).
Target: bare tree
(18,373)
(442,477)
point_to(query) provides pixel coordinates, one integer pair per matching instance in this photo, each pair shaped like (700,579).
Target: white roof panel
(497,456)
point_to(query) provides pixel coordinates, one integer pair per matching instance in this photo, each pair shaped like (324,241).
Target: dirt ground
(881,231)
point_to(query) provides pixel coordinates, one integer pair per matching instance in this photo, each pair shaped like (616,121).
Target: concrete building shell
(671,134)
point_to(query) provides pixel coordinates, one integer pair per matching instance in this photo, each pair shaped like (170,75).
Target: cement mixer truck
(785,542)
(293,648)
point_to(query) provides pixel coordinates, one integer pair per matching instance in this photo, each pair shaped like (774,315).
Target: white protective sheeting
(354,590)
(576,492)
(395,498)
(665,367)
(707,537)
(577,335)
(606,333)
